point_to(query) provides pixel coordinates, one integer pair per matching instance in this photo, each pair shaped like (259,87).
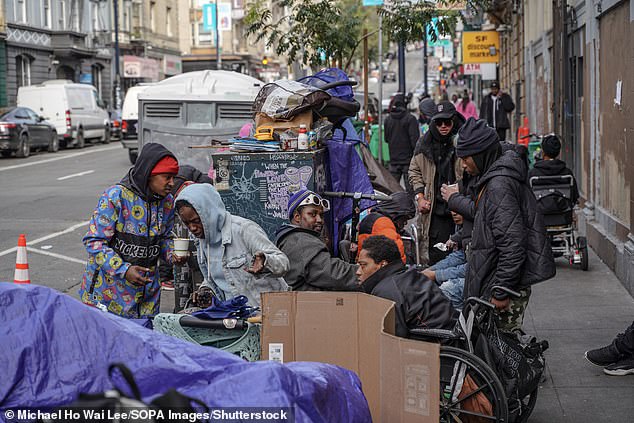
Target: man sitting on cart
(312,268)
(419,301)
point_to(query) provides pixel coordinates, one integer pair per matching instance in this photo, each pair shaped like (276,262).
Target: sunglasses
(314,200)
(444,122)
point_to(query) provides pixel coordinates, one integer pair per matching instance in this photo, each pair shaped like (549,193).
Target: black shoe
(621,368)
(604,356)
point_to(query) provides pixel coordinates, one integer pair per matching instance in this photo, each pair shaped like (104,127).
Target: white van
(75,109)
(130,118)
(193,109)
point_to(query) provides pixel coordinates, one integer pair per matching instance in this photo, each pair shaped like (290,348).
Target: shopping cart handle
(358,195)
(506,290)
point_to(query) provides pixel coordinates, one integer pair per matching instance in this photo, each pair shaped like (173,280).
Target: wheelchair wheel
(484,399)
(582,245)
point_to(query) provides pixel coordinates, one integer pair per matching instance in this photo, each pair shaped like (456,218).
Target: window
(127,17)
(46,13)
(19,10)
(23,70)
(97,78)
(74,15)
(153,16)
(63,20)
(96,26)
(168,21)
(137,14)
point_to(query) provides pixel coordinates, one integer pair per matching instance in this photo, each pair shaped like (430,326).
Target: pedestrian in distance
(130,228)
(466,107)
(312,267)
(401,135)
(495,108)
(234,254)
(435,163)
(426,109)
(509,244)
(617,358)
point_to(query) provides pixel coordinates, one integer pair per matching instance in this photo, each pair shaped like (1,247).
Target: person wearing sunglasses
(434,164)
(312,267)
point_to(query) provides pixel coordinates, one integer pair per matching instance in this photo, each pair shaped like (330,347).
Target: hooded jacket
(401,134)
(503,106)
(509,244)
(312,267)
(130,226)
(229,246)
(419,301)
(555,167)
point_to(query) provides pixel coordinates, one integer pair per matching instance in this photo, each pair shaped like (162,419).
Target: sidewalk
(577,311)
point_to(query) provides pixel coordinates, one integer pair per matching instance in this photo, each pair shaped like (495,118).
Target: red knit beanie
(167,164)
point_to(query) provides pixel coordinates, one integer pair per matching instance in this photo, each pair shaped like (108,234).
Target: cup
(181,247)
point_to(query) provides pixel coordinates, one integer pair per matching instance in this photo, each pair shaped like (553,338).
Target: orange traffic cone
(21,263)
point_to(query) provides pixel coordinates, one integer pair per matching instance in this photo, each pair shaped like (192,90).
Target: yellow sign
(480,47)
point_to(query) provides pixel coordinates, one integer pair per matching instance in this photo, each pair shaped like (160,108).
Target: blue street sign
(373,2)
(209,17)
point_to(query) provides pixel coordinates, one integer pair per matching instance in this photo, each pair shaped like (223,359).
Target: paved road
(49,197)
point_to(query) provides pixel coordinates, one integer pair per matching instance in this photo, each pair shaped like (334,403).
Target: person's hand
(354,247)
(137,275)
(424,205)
(446,191)
(451,244)
(203,297)
(431,275)
(258,263)
(179,260)
(504,304)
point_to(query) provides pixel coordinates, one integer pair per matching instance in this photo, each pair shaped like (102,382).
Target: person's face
(310,217)
(367,266)
(457,218)
(469,165)
(495,90)
(444,126)
(161,184)
(191,219)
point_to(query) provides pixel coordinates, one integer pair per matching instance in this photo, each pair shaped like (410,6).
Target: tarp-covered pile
(53,347)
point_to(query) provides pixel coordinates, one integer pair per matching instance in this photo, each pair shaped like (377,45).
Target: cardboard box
(400,377)
(305,118)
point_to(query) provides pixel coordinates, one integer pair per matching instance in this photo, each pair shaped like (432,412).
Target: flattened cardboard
(305,118)
(354,330)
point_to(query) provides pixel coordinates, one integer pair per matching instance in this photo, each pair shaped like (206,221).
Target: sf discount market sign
(480,47)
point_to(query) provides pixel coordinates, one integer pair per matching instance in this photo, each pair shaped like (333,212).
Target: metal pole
(425,64)
(365,84)
(218,64)
(117,67)
(401,67)
(380,90)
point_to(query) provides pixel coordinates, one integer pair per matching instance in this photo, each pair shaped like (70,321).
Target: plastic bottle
(302,138)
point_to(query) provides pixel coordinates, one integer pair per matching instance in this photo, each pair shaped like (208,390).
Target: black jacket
(555,167)
(509,244)
(419,301)
(401,134)
(504,105)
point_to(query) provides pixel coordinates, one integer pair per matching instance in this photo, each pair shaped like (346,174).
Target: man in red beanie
(129,229)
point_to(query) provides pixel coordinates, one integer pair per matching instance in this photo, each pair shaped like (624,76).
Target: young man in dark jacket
(419,301)
(401,134)
(552,166)
(495,108)
(312,268)
(509,244)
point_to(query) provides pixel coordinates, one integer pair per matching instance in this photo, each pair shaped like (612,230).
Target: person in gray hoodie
(234,254)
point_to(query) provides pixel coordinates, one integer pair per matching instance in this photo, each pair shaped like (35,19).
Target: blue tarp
(53,347)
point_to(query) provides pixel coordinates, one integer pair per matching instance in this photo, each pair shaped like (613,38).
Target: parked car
(21,130)
(389,76)
(373,106)
(130,119)
(75,109)
(115,124)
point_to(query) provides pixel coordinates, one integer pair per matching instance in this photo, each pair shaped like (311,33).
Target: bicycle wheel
(455,406)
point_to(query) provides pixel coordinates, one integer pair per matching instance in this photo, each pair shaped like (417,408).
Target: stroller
(554,201)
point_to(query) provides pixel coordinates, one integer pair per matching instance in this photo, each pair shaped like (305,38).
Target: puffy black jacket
(401,134)
(503,107)
(509,244)
(555,167)
(419,301)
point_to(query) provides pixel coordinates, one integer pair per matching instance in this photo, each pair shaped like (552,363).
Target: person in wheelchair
(551,165)
(419,301)
(312,268)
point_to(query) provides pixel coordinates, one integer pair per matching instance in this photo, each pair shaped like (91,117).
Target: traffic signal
(265,60)
(439,68)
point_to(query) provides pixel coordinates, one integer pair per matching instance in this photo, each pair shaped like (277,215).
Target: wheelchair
(476,380)
(554,201)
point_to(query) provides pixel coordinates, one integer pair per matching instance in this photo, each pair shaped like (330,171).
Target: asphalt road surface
(49,198)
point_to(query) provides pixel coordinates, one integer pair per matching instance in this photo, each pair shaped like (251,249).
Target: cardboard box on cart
(400,377)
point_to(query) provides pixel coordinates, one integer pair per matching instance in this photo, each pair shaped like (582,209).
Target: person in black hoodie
(509,244)
(419,301)
(401,134)
(552,166)
(129,229)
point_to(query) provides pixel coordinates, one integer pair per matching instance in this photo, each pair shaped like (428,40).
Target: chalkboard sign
(257,185)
